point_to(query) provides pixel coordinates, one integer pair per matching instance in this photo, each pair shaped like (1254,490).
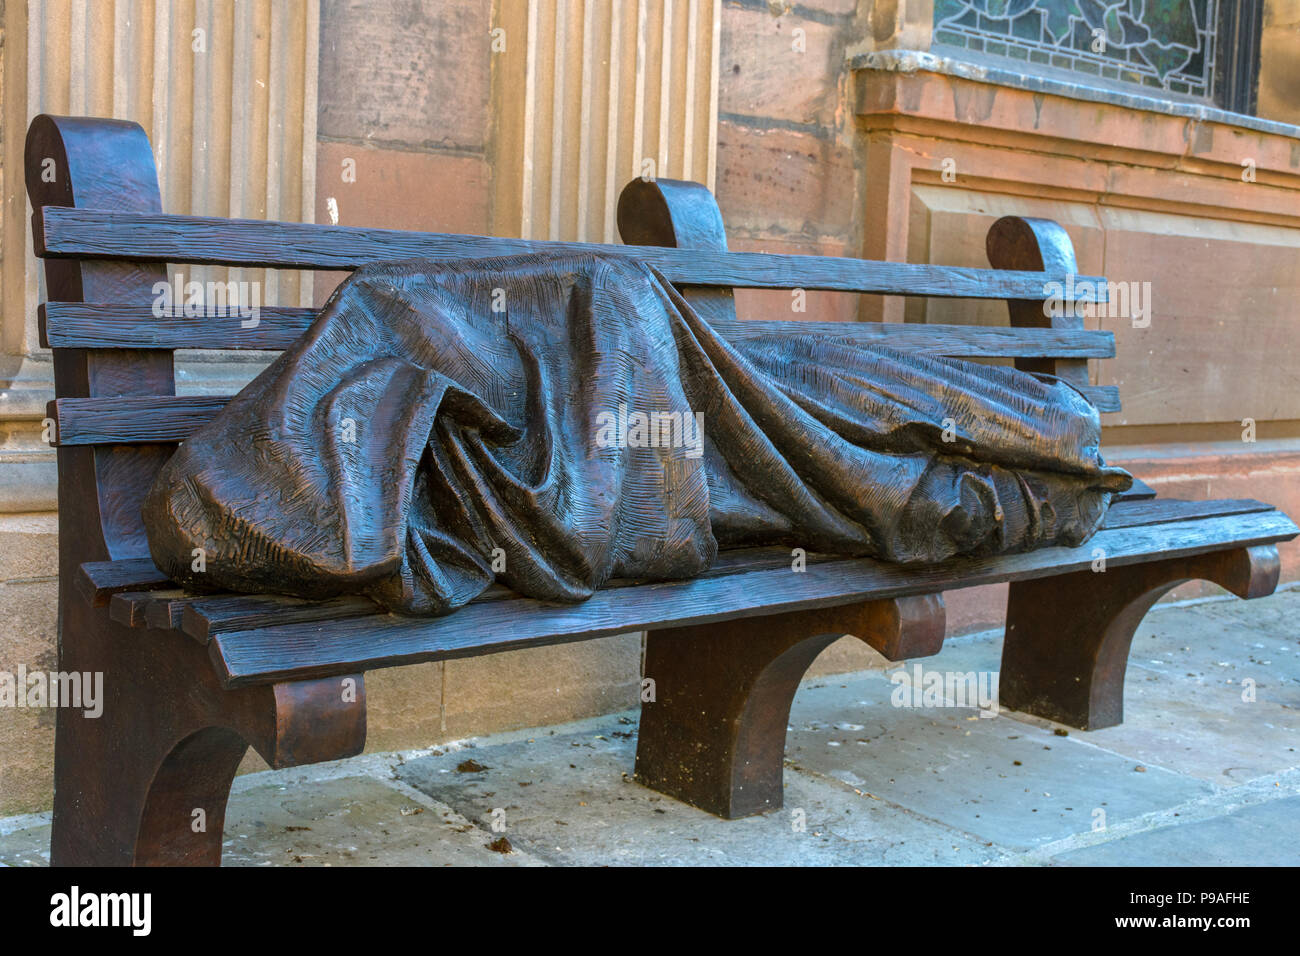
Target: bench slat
(303,651)
(202,615)
(958,341)
(140,593)
(141,419)
(1131,514)
(139,585)
(65,232)
(202,619)
(131,419)
(135,608)
(84,325)
(98,581)
(89,326)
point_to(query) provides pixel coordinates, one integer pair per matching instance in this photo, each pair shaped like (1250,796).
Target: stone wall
(1279,56)
(787,177)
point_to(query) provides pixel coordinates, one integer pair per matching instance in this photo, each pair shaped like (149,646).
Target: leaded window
(1184,48)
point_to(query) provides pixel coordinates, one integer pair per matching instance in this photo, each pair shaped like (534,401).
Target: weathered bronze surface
(553,421)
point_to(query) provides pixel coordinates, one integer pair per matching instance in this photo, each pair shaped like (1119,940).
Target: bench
(191,680)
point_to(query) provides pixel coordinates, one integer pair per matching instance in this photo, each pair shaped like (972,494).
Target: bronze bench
(192,680)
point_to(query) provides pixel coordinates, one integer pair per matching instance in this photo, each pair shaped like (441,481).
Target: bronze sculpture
(553,421)
(193,680)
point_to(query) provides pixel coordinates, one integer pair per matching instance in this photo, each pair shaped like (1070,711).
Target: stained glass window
(1164,45)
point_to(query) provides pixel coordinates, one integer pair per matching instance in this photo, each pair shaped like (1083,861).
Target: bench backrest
(99,226)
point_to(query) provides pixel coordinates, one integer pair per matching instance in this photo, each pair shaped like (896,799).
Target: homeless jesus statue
(555,421)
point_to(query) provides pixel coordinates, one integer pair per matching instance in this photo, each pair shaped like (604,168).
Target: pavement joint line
(1210,806)
(25,821)
(914,814)
(450,815)
(416,795)
(1076,735)
(366,765)
(375,765)
(39,579)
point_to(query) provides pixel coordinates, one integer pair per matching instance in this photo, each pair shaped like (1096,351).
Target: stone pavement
(1198,774)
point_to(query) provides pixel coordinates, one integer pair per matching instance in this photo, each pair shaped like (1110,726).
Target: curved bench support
(128,783)
(146,782)
(714,736)
(1068,636)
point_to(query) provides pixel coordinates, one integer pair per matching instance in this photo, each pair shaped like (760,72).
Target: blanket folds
(552,421)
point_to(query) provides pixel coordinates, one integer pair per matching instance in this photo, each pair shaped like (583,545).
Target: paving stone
(1260,835)
(337,821)
(1183,707)
(569,798)
(351,821)
(1222,643)
(1202,730)
(1000,779)
(25,841)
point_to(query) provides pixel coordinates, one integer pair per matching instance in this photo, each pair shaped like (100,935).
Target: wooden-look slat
(133,419)
(208,615)
(80,325)
(133,608)
(1138,490)
(147,601)
(308,650)
(958,341)
(98,581)
(164,610)
(203,618)
(65,232)
(1131,514)
(202,615)
(138,588)
(172,418)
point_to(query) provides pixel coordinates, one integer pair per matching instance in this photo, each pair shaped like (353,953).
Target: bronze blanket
(555,421)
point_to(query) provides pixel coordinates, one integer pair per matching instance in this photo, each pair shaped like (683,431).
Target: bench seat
(266,639)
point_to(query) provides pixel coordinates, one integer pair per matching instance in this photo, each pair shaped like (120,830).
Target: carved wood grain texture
(113,326)
(303,650)
(101,234)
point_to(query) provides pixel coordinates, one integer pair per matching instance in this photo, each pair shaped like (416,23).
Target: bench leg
(1068,637)
(146,781)
(124,815)
(714,736)
(184,811)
